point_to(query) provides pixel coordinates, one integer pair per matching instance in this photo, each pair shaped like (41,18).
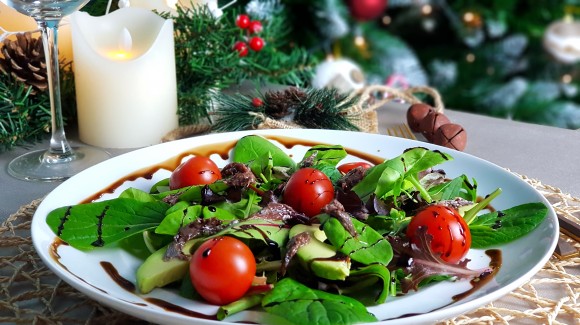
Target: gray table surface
(545,153)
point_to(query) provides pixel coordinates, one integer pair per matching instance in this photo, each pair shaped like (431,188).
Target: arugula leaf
(301,305)
(500,227)
(387,179)
(368,247)
(457,187)
(253,147)
(90,225)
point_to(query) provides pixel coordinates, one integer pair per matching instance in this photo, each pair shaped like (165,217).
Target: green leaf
(138,195)
(212,211)
(457,187)
(90,225)
(330,171)
(254,147)
(392,224)
(381,273)
(272,233)
(368,247)
(243,208)
(326,154)
(177,219)
(299,304)
(262,167)
(193,193)
(500,227)
(386,179)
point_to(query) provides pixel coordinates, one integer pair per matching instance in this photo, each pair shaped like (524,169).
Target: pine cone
(281,103)
(24,60)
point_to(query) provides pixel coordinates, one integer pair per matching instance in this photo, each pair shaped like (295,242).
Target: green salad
(309,241)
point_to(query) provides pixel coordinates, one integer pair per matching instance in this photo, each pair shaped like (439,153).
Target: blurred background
(513,59)
(516,59)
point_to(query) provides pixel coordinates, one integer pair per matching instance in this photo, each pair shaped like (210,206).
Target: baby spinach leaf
(253,147)
(329,155)
(177,219)
(301,305)
(243,208)
(90,225)
(212,211)
(386,179)
(368,247)
(194,193)
(262,167)
(381,273)
(330,171)
(392,224)
(500,227)
(138,195)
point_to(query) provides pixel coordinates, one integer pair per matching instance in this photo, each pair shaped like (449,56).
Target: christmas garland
(207,62)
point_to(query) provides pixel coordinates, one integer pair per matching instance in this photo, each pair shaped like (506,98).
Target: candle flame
(125,45)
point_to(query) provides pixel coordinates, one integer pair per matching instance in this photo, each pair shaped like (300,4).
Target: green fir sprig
(207,63)
(311,108)
(25,117)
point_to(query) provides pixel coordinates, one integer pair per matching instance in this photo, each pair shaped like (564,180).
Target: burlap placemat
(32,294)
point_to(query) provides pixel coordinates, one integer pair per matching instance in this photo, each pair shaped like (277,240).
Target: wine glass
(61,160)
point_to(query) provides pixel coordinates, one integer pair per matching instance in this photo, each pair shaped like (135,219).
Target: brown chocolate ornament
(431,123)
(416,113)
(451,136)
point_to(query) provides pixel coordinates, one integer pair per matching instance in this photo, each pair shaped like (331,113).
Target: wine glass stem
(59,149)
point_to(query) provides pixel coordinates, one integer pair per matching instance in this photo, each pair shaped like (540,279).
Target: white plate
(521,259)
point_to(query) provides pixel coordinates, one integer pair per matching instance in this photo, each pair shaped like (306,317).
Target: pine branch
(326,109)
(312,108)
(23,118)
(206,61)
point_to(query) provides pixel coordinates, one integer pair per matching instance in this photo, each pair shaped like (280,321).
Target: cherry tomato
(451,236)
(222,270)
(345,168)
(308,190)
(197,170)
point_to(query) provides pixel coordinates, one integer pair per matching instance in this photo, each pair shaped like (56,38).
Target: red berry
(257,102)
(256,43)
(243,21)
(255,27)
(242,48)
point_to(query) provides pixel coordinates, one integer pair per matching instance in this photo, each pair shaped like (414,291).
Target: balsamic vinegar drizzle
(223,149)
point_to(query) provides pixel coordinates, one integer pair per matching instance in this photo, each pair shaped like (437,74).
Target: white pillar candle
(13,21)
(125,77)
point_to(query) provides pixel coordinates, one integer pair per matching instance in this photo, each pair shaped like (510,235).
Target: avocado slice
(156,272)
(318,256)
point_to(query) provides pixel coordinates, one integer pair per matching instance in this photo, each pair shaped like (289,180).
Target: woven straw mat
(32,294)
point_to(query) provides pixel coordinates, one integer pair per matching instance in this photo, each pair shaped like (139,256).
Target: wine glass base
(37,166)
